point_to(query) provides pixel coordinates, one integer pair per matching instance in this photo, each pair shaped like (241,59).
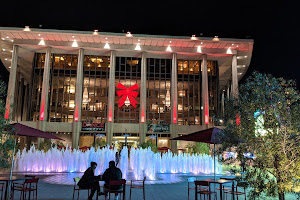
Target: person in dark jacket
(90,181)
(112,174)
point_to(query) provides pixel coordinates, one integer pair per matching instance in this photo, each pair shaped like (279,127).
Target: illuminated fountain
(142,162)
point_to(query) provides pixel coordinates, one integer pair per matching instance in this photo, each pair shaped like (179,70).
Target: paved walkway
(162,191)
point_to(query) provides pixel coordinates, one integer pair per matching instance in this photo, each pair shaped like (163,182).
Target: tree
(198,147)
(268,111)
(6,131)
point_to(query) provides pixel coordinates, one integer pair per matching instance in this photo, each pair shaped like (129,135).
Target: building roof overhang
(155,46)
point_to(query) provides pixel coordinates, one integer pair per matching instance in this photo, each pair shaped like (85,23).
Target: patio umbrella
(210,136)
(23,130)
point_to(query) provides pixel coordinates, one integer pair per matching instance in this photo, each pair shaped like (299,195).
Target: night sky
(273,26)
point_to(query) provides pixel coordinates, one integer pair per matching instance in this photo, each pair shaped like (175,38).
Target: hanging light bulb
(199,50)
(169,49)
(229,51)
(42,42)
(74,44)
(138,47)
(106,46)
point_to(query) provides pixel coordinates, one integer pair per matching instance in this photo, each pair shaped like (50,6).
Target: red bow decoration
(127,92)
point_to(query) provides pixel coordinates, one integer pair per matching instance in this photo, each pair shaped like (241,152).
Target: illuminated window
(37,81)
(95,88)
(62,87)
(158,91)
(189,92)
(128,73)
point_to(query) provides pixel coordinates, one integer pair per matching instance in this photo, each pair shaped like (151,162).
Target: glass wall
(158,91)
(128,73)
(62,87)
(213,74)
(37,82)
(95,89)
(189,92)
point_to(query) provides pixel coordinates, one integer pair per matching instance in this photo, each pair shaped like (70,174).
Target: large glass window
(213,74)
(95,89)
(189,92)
(158,91)
(128,73)
(37,82)
(62,87)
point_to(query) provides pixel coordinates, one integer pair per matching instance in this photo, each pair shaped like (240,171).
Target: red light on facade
(110,114)
(7,112)
(76,114)
(127,93)
(238,119)
(174,114)
(42,113)
(143,116)
(206,114)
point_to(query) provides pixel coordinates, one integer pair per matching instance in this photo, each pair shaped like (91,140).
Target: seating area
(227,188)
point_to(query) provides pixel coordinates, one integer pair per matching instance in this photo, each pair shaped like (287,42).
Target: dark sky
(273,25)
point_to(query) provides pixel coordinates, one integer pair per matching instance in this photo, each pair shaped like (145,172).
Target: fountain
(141,162)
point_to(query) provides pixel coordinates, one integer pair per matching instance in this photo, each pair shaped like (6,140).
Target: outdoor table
(220,182)
(8,180)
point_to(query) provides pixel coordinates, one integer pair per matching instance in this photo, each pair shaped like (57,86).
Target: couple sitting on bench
(90,181)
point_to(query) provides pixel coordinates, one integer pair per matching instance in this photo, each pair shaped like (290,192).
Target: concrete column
(228,93)
(44,102)
(174,103)
(20,100)
(12,84)
(25,103)
(235,90)
(111,98)
(222,103)
(78,100)
(143,99)
(205,99)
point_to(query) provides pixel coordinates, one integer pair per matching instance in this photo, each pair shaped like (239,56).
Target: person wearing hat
(90,181)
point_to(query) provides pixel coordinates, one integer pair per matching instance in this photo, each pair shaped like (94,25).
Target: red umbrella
(23,130)
(210,136)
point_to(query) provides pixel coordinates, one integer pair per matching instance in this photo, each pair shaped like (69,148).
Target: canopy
(211,136)
(23,130)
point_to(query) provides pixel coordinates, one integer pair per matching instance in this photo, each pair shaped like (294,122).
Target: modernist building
(120,87)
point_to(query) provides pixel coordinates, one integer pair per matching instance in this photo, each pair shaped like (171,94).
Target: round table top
(13,178)
(220,181)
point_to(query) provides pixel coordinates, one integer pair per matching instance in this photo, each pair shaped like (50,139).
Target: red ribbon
(127,92)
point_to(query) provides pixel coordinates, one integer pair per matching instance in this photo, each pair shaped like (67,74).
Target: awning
(23,130)
(211,136)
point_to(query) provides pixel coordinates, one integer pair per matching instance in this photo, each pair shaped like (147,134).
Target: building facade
(92,87)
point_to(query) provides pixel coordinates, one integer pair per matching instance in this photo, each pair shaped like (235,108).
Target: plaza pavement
(161,191)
